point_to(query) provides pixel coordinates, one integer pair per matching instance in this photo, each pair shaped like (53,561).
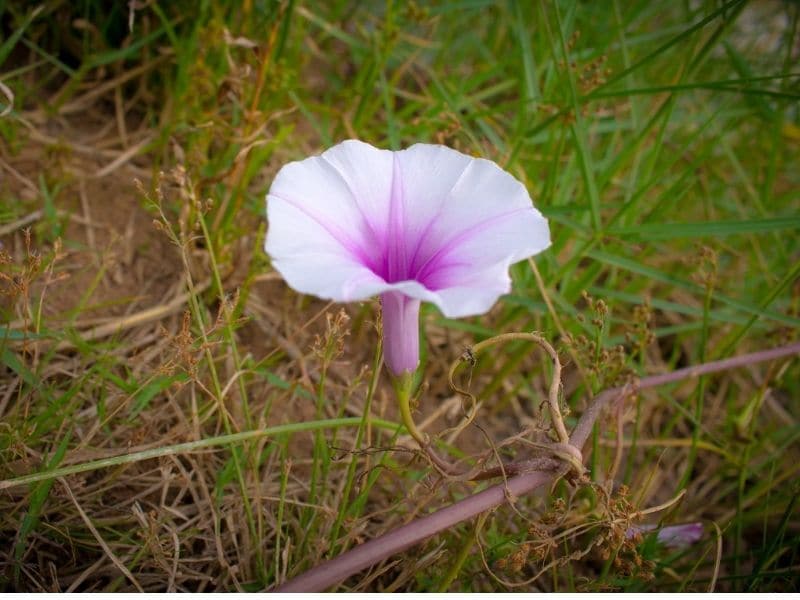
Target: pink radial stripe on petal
(371,231)
(395,252)
(338,234)
(436,261)
(429,225)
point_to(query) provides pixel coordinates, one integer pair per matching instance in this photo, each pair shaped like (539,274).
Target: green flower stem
(403,387)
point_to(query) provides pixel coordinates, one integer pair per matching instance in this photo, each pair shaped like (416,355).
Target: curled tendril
(561,452)
(471,355)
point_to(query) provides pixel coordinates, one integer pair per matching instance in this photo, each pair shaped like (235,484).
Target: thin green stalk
(321,463)
(461,558)
(345,505)
(228,329)
(194,446)
(319,459)
(254,518)
(741,483)
(285,468)
(701,389)
(218,396)
(579,132)
(789,278)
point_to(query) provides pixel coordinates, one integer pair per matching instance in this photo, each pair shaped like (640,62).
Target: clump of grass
(212,430)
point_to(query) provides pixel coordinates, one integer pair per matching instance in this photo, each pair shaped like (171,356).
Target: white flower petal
(474,295)
(475,207)
(327,204)
(329,276)
(428,222)
(469,221)
(367,172)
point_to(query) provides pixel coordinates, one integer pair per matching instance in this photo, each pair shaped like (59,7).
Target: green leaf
(16,33)
(40,492)
(655,274)
(665,231)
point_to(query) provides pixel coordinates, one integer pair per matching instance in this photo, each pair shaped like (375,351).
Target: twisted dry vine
(530,477)
(562,452)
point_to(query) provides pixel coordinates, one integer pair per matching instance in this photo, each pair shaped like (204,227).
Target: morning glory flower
(426,223)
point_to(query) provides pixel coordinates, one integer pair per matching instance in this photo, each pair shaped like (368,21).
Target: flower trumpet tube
(424,224)
(401,329)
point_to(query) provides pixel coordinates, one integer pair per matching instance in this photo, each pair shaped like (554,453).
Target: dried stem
(555,384)
(562,450)
(334,571)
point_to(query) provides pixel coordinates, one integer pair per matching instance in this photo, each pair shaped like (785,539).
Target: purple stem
(584,427)
(330,573)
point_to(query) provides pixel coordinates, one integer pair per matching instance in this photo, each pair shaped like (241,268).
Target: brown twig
(361,557)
